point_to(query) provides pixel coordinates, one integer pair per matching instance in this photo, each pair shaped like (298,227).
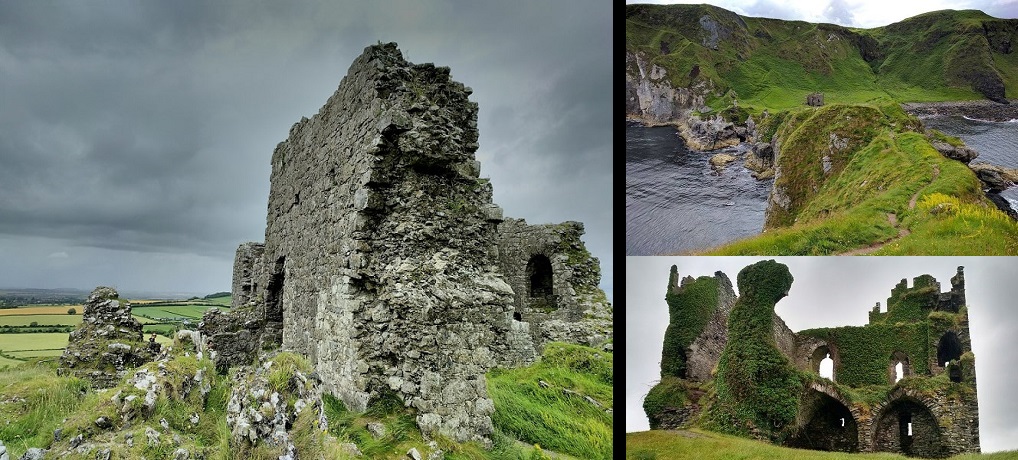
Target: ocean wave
(1013,120)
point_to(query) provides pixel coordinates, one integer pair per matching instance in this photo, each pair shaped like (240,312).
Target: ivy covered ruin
(905,382)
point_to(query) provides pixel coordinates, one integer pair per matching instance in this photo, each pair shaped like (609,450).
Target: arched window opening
(540,277)
(827,367)
(823,361)
(948,349)
(898,367)
(517,316)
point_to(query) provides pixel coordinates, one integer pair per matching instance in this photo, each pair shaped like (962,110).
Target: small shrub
(71,311)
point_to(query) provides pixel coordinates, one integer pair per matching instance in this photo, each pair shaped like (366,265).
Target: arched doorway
(830,426)
(540,288)
(949,348)
(907,426)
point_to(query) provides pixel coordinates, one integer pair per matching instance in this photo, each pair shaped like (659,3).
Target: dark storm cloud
(148,126)
(835,291)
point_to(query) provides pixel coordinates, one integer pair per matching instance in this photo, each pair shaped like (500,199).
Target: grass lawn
(37,341)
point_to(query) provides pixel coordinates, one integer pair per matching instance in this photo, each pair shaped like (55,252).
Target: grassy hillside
(544,405)
(861,178)
(705,445)
(772,64)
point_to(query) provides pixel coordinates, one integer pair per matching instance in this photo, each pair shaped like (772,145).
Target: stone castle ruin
(386,263)
(904,383)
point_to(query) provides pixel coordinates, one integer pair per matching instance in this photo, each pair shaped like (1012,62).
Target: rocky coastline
(995,178)
(980,109)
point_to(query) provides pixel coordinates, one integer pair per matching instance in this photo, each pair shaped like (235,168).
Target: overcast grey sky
(135,137)
(839,291)
(853,13)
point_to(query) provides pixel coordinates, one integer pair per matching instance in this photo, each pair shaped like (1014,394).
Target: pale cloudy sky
(853,13)
(839,291)
(135,137)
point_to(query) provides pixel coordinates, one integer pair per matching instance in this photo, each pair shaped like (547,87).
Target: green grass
(6,362)
(40,341)
(36,353)
(172,312)
(848,207)
(42,320)
(548,416)
(35,402)
(706,445)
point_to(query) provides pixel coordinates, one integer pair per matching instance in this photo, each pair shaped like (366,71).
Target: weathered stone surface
(382,260)
(3,452)
(720,160)
(996,178)
(962,154)
(257,412)
(555,281)
(107,343)
(34,453)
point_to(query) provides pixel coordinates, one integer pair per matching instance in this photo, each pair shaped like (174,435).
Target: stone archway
(907,426)
(540,283)
(827,424)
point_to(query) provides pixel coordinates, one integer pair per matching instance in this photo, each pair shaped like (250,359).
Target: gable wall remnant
(381,261)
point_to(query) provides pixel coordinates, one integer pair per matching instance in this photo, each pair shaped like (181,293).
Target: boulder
(721,160)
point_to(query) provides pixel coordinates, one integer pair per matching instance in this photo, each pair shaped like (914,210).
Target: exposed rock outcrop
(960,153)
(760,160)
(107,343)
(996,178)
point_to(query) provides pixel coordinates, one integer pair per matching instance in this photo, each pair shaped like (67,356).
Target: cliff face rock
(650,96)
(107,343)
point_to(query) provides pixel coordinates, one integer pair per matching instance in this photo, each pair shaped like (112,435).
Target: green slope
(772,64)
(705,445)
(885,187)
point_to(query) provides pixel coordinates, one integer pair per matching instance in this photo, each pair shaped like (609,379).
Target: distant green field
(36,353)
(4,362)
(175,312)
(160,328)
(42,320)
(38,341)
(225,301)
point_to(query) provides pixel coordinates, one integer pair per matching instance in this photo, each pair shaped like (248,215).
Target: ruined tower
(913,364)
(381,261)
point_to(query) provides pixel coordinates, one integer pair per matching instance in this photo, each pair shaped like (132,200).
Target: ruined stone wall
(703,354)
(380,244)
(571,307)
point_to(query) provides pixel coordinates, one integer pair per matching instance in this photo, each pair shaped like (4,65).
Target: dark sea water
(996,142)
(675,202)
